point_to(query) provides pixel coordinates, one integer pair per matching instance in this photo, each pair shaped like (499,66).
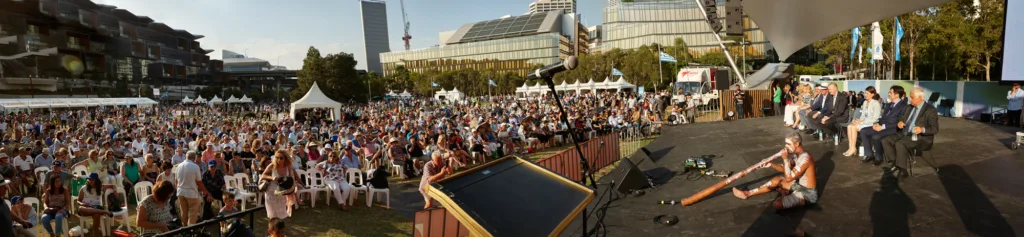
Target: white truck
(700,83)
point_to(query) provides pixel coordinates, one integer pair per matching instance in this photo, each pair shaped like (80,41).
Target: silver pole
(722,44)
(660,74)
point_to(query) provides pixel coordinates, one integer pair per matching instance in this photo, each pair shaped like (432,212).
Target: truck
(702,83)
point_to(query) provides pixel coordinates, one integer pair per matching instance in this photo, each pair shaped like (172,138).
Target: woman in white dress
(278,206)
(871,111)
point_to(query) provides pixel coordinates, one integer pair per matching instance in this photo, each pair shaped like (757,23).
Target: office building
(510,44)
(629,25)
(375,32)
(111,44)
(565,6)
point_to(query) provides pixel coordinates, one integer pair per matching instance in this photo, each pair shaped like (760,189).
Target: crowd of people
(80,162)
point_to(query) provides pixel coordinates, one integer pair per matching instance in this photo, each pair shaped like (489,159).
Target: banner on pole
(156,91)
(876,42)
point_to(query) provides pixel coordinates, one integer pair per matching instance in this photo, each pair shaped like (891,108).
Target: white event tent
(452,95)
(42,103)
(232,100)
(245,99)
(186,100)
(405,94)
(608,84)
(199,99)
(315,98)
(216,100)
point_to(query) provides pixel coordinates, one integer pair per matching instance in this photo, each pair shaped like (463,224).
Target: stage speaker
(509,197)
(712,15)
(628,177)
(733,18)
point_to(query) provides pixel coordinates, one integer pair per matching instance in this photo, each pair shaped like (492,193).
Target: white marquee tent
(200,99)
(186,100)
(608,84)
(216,100)
(452,95)
(315,98)
(42,103)
(245,99)
(405,94)
(232,99)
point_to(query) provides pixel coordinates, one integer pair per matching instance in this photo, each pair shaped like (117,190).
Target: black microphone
(548,72)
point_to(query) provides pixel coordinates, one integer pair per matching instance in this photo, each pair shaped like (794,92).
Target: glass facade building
(375,32)
(514,44)
(629,25)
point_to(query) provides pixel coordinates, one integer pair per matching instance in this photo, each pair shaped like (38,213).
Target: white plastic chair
(315,185)
(41,173)
(121,215)
(385,195)
(355,178)
(142,190)
(82,172)
(242,193)
(310,164)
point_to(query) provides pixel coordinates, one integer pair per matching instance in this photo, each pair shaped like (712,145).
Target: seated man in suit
(813,106)
(834,110)
(920,123)
(871,137)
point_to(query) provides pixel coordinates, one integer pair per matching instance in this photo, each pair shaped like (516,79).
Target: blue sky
(282,31)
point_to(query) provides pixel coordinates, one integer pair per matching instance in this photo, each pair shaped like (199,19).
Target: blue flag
(616,72)
(855,32)
(491,82)
(899,36)
(667,58)
(432,84)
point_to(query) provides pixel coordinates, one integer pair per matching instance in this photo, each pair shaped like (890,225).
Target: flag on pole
(432,84)
(876,42)
(491,82)
(667,58)
(860,54)
(899,37)
(855,32)
(616,72)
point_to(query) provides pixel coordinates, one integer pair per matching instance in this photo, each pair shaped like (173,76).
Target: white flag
(860,54)
(876,42)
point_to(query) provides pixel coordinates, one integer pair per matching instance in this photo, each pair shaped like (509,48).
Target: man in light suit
(813,107)
(871,137)
(920,123)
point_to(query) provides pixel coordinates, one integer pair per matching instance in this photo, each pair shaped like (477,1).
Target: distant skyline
(281,32)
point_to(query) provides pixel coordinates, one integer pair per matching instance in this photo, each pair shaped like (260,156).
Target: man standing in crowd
(871,137)
(191,190)
(920,123)
(1016,98)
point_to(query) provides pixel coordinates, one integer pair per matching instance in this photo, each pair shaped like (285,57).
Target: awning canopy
(186,100)
(763,78)
(232,99)
(42,103)
(791,25)
(245,99)
(315,98)
(216,100)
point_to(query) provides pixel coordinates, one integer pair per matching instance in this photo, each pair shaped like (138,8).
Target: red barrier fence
(437,222)
(600,151)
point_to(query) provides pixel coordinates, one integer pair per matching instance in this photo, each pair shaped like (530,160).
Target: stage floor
(978,190)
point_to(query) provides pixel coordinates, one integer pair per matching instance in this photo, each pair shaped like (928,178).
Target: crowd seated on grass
(108,158)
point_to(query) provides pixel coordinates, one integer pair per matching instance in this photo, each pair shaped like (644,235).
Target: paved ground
(978,190)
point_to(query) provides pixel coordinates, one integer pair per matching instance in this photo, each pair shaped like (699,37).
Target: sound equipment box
(628,177)
(511,197)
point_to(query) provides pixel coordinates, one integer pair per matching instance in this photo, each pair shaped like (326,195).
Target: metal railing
(199,229)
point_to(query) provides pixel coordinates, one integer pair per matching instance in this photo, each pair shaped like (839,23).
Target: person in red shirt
(312,152)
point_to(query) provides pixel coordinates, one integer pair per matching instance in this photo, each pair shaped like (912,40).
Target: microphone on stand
(547,73)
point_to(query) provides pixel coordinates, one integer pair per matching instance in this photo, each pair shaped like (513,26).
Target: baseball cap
(15,199)
(58,163)
(94,176)
(213,163)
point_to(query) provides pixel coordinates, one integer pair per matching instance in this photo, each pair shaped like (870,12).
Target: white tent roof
(200,100)
(232,99)
(38,103)
(186,100)
(793,24)
(315,98)
(245,99)
(392,94)
(216,100)
(405,94)
(622,83)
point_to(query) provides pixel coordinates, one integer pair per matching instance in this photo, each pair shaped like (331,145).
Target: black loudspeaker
(733,18)
(628,177)
(712,15)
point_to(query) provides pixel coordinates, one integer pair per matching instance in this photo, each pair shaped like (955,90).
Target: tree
(816,69)
(714,58)
(335,74)
(988,29)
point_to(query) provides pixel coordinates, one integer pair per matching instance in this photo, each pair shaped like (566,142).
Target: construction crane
(405,20)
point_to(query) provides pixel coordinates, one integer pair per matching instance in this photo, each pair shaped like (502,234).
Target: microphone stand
(586,172)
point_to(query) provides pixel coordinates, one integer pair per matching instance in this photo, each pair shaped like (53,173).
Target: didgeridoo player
(797,183)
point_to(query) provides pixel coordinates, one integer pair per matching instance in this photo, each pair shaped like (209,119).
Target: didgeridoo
(708,191)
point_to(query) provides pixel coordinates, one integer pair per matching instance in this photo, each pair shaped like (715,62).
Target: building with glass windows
(111,44)
(631,24)
(509,44)
(375,32)
(566,6)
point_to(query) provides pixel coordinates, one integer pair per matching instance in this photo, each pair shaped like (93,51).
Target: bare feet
(739,194)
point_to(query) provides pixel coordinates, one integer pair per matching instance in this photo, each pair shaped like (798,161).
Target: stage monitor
(1013,43)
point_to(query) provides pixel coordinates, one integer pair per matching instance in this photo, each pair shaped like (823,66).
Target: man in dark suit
(920,123)
(871,137)
(835,109)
